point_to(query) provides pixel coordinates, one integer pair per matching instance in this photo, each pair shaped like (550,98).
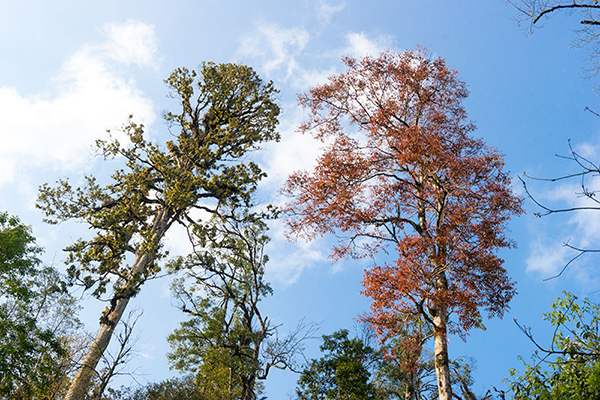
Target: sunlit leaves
(35,315)
(403,173)
(226,112)
(570,366)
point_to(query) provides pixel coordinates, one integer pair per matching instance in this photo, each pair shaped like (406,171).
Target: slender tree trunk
(440,337)
(410,393)
(108,322)
(81,382)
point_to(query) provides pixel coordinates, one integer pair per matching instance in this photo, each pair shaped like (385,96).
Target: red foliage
(402,169)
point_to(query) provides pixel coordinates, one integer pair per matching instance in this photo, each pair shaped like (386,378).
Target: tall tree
(226,111)
(344,372)
(228,342)
(402,169)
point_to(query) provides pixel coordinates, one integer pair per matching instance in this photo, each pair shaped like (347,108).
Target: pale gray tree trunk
(410,393)
(440,340)
(81,382)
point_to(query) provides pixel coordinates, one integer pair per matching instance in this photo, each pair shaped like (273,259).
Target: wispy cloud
(275,47)
(92,94)
(547,256)
(359,44)
(326,11)
(579,228)
(133,42)
(287,260)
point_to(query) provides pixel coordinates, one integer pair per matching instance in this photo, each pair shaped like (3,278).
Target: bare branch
(527,332)
(565,6)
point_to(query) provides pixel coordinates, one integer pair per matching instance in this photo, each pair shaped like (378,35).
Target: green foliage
(344,372)
(36,315)
(227,111)
(570,367)
(172,389)
(352,369)
(18,259)
(223,342)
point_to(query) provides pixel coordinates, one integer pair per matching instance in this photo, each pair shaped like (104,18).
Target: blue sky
(70,70)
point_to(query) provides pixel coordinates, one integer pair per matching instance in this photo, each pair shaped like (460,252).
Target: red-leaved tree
(402,174)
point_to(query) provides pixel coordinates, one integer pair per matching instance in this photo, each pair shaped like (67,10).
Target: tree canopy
(226,112)
(402,169)
(36,318)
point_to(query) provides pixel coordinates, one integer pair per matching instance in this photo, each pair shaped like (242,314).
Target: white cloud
(547,257)
(359,45)
(287,260)
(306,79)
(295,151)
(326,11)
(132,43)
(276,47)
(92,95)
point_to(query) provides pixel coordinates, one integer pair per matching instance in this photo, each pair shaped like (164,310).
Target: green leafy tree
(183,388)
(353,369)
(570,367)
(36,318)
(227,342)
(226,111)
(344,372)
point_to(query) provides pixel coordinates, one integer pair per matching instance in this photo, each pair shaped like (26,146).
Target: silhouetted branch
(565,6)
(569,352)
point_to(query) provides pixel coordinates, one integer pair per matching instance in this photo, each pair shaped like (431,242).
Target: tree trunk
(81,382)
(108,322)
(410,393)
(440,337)
(442,364)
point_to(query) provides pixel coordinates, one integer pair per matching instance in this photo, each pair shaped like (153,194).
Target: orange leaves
(403,170)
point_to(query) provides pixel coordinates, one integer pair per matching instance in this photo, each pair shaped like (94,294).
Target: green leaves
(570,367)
(342,373)
(224,340)
(32,348)
(226,112)
(18,258)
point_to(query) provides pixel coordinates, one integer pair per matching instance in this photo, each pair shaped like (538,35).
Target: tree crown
(227,111)
(402,169)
